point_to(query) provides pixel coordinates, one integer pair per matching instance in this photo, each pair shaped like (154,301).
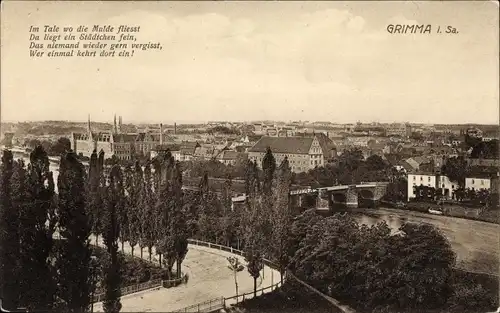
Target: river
(476,243)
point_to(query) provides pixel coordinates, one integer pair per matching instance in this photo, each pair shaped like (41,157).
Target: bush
(134,271)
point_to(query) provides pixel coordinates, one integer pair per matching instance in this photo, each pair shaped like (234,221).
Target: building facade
(477,183)
(115,143)
(417,179)
(303,153)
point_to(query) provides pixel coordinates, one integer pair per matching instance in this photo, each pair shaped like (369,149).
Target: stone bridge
(364,195)
(335,198)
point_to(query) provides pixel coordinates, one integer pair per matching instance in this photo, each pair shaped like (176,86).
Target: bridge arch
(366,198)
(338,201)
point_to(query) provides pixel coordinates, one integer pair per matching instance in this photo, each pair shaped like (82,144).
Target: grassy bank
(291,298)
(134,270)
(457,210)
(472,293)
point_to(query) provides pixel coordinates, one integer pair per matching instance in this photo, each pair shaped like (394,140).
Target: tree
(112,279)
(178,225)
(456,169)
(372,267)
(228,218)
(133,206)
(268,170)
(95,201)
(254,240)
(375,163)
(281,218)
(235,266)
(37,227)
(61,146)
(9,235)
(73,260)
(165,244)
(125,208)
(148,214)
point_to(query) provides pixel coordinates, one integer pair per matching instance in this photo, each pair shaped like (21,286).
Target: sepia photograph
(249,156)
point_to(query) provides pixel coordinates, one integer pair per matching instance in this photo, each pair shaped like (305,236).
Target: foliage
(456,169)
(485,150)
(371,267)
(214,168)
(57,148)
(397,190)
(74,227)
(349,168)
(223,130)
(111,225)
(9,234)
(281,218)
(254,239)
(37,226)
(147,223)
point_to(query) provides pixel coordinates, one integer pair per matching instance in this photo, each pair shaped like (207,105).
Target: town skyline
(226,61)
(201,122)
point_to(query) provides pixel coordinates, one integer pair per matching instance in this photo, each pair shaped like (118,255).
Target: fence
(175,282)
(249,295)
(133,288)
(206,306)
(220,303)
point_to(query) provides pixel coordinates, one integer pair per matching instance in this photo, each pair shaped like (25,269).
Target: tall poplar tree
(94,201)
(254,240)
(9,236)
(123,213)
(178,224)
(133,207)
(281,218)
(112,278)
(147,203)
(73,261)
(38,224)
(268,169)
(165,245)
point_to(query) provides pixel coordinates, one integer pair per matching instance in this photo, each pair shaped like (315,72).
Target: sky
(241,61)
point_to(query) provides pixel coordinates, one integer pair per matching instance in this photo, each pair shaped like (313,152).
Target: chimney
(161,134)
(88,125)
(175,128)
(115,130)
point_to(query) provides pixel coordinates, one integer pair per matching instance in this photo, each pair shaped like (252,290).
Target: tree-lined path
(209,278)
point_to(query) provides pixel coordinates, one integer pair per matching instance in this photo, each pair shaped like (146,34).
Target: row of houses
(447,186)
(303,152)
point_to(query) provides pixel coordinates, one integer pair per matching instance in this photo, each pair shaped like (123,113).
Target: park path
(209,278)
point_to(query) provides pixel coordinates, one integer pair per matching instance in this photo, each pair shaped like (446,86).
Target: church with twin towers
(116,142)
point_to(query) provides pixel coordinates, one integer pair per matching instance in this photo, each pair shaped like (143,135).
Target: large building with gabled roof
(303,153)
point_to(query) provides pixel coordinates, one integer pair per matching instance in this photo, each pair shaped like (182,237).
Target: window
(414,178)
(473,181)
(428,179)
(482,182)
(421,178)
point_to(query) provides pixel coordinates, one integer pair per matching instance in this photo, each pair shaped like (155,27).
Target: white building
(477,183)
(448,186)
(425,179)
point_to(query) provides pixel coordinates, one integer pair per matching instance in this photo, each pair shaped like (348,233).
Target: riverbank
(453,210)
(474,242)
